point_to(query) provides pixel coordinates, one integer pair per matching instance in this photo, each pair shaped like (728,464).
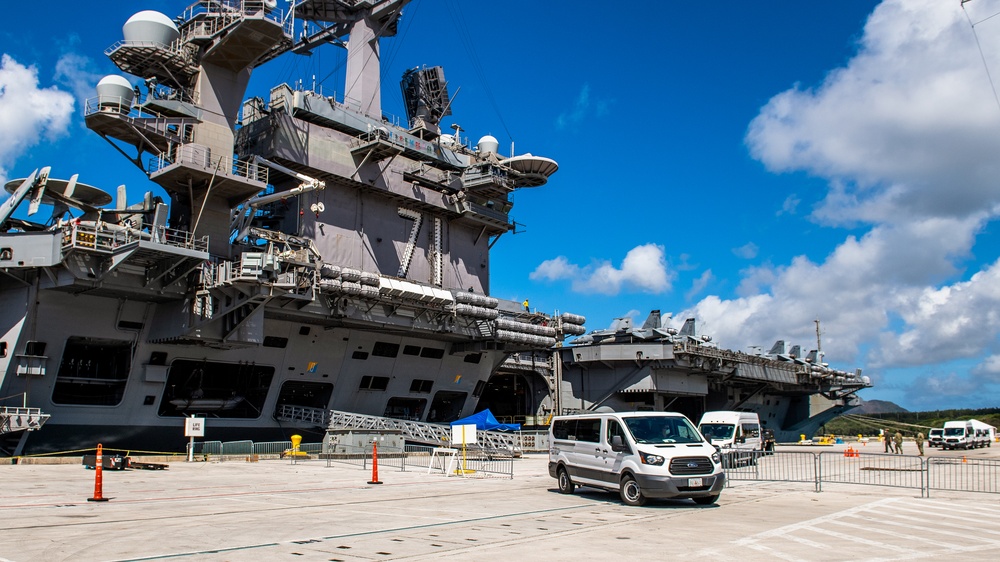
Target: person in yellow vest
(525,303)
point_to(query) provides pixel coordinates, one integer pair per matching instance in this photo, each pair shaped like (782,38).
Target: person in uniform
(920,442)
(887,440)
(897,440)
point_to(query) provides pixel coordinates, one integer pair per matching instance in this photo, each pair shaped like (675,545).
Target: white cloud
(954,321)
(27,113)
(906,134)
(747,251)
(584,107)
(699,284)
(644,269)
(789,205)
(854,293)
(909,127)
(76,72)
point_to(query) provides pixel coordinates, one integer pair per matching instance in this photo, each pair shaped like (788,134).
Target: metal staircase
(422,432)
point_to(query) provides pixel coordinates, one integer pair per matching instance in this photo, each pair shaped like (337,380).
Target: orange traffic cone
(374,479)
(963,459)
(98,480)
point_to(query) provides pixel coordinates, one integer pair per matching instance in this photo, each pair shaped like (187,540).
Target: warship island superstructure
(313,255)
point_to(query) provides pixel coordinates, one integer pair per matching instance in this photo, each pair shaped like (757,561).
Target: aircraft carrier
(312,254)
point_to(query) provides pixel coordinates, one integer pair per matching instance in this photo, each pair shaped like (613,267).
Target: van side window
(615,428)
(563,429)
(588,430)
(751,430)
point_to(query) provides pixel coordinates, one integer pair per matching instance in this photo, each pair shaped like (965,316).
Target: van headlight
(650,459)
(717,458)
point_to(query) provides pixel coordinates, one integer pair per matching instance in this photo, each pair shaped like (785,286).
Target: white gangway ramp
(436,434)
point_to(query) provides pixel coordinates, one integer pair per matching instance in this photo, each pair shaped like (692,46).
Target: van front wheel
(630,492)
(566,486)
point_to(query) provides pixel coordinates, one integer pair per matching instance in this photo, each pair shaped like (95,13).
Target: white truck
(736,434)
(959,435)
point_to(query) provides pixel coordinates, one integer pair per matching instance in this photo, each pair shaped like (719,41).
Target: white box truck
(736,434)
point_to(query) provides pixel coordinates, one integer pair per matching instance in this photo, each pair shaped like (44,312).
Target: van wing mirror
(617,444)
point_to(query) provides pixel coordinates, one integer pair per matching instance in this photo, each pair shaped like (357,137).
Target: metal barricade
(232,450)
(271,449)
(772,466)
(393,457)
(484,462)
(852,467)
(963,474)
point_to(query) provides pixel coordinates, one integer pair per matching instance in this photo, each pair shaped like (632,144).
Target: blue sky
(756,165)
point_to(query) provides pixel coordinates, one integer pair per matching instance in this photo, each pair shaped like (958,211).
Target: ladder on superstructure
(423,432)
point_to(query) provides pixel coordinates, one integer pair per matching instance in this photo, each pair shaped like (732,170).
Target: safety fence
(250,450)
(472,461)
(926,474)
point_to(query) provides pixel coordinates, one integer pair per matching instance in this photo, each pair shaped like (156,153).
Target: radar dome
(488,145)
(116,92)
(150,27)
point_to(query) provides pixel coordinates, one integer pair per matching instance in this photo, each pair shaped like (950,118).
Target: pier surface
(276,510)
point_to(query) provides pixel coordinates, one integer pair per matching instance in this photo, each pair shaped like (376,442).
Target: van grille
(684,466)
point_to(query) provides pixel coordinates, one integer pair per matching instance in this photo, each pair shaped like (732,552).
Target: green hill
(854,423)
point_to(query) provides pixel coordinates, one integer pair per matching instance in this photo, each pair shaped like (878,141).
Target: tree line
(909,423)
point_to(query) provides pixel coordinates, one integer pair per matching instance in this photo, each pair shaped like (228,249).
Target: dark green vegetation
(906,422)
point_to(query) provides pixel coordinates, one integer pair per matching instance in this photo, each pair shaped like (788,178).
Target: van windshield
(717,430)
(662,429)
(953,431)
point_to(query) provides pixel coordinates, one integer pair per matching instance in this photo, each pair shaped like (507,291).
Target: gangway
(434,434)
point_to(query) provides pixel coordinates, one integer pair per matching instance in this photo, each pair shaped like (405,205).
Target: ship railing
(140,117)
(206,18)
(201,156)
(174,48)
(21,419)
(484,210)
(314,416)
(528,361)
(109,238)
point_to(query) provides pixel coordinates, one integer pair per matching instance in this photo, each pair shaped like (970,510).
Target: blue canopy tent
(485,420)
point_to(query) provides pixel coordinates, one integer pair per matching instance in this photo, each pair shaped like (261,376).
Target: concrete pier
(276,510)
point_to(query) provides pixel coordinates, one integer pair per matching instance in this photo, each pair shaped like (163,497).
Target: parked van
(642,455)
(737,434)
(985,433)
(935,437)
(959,435)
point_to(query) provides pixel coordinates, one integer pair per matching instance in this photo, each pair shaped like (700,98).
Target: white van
(641,454)
(985,433)
(935,437)
(959,435)
(737,434)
